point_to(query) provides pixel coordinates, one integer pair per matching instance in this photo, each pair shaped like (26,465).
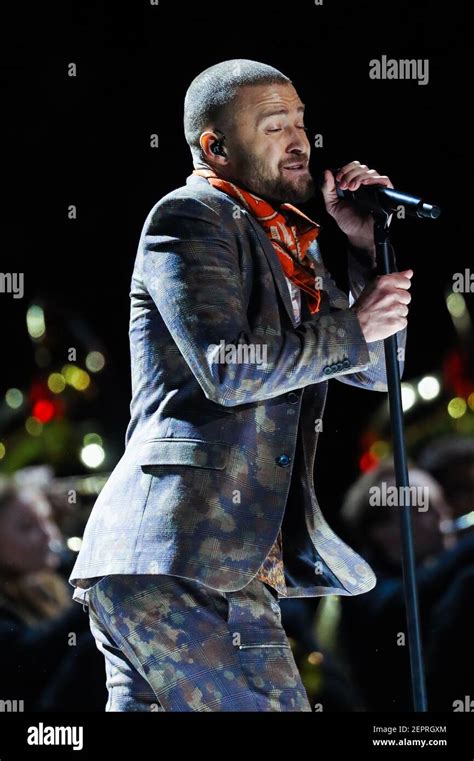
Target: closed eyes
(279,129)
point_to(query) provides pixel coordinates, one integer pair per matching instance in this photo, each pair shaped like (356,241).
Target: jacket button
(283,460)
(327,370)
(346,363)
(292,397)
(339,367)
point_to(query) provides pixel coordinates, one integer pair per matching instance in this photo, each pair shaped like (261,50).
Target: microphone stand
(385,258)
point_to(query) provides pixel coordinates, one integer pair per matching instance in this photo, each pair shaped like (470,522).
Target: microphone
(379,198)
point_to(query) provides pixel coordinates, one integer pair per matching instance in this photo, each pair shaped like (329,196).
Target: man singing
(236,327)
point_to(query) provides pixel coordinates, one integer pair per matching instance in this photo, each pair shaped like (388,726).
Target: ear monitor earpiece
(217,148)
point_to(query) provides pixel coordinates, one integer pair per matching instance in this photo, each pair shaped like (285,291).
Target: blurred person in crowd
(38,662)
(450,666)
(376,527)
(373,633)
(450,459)
(37,480)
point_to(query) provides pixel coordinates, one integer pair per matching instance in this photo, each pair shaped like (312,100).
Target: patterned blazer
(228,391)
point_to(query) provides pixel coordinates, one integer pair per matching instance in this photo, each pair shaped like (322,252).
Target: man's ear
(212,148)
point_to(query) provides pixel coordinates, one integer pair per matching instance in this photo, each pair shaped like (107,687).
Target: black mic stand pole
(385,258)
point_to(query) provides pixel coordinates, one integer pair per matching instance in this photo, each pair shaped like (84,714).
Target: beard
(256,177)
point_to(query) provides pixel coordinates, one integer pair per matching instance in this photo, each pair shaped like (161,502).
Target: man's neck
(275,203)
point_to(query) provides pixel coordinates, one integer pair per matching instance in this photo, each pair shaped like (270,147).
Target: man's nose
(298,142)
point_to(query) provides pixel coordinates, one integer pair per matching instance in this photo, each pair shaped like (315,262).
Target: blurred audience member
(373,630)
(43,634)
(450,668)
(450,459)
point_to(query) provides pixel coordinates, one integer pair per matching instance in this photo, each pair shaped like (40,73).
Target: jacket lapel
(275,266)
(268,249)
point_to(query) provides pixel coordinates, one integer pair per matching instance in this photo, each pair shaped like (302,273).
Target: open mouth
(297,168)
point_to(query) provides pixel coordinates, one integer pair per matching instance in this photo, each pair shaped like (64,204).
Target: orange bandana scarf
(290,237)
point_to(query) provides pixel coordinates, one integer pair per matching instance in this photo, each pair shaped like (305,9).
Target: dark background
(85,141)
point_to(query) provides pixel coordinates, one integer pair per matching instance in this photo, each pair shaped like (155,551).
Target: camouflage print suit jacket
(227,392)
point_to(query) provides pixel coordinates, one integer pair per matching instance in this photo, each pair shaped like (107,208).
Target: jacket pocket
(183,451)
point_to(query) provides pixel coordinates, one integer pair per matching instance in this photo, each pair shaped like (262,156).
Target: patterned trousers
(172,644)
